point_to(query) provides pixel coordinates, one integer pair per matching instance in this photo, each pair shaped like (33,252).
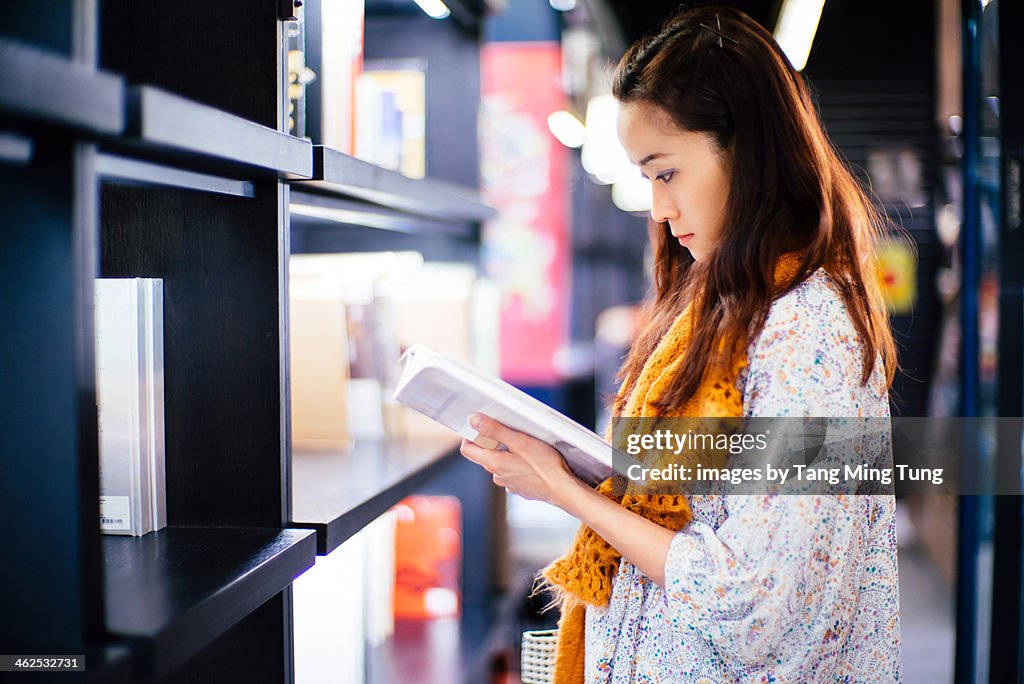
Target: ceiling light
(563,5)
(569,130)
(603,156)
(434,8)
(798,22)
(632,192)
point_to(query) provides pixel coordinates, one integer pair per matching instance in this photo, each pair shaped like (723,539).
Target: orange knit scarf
(585,574)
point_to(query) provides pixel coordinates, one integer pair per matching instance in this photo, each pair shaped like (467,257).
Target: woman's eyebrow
(649,158)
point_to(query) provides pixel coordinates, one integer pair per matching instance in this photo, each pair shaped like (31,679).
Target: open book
(450,392)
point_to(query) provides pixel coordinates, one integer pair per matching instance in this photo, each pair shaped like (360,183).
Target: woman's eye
(665,177)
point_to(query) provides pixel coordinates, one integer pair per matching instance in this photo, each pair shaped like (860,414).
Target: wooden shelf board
(339,174)
(172,592)
(312,208)
(15,149)
(42,87)
(170,124)
(338,492)
(116,169)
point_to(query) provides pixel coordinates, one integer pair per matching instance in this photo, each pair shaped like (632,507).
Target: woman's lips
(684,238)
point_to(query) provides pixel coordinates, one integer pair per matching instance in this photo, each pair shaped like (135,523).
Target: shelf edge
(173,124)
(36,85)
(330,209)
(114,168)
(342,175)
(330,534)
(159,652)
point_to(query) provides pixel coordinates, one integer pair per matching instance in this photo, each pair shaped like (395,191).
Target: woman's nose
(663,208)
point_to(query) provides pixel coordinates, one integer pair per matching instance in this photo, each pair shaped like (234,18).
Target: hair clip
(719,31)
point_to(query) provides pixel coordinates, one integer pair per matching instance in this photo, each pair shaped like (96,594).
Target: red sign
(525,175)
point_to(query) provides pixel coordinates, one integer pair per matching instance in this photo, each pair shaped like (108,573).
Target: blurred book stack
(337,53)
(391,99)
(344,604)
(353,315)
(319,363)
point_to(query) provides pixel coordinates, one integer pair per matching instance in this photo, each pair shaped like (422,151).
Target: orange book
(428,557)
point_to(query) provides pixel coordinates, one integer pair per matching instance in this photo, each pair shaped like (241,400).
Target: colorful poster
(897,275)
(525,176)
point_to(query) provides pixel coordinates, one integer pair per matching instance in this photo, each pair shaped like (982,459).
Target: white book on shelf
(130,403)
(365,391)
(329,616)
(449,392)
(380,578)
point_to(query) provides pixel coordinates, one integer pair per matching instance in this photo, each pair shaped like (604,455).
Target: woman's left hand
(530,468)
(535,470)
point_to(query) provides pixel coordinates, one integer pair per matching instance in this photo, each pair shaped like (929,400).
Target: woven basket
(538,661)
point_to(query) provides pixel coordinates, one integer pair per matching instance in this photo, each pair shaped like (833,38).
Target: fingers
(488,427)
(502,483)
(478,454)
(485,457)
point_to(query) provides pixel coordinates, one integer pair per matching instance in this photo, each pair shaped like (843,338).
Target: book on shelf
(344,605)
(130,404)
(353,337)
(379,595)
(390,115)
(449,308)
(454,294)
(365,348)
(428,557)
(319,364)
(353,314)
(449,392)
(340,42)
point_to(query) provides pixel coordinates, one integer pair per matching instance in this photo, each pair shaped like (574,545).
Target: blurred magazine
(449,392)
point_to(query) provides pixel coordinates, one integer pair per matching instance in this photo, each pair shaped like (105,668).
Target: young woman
(765,303)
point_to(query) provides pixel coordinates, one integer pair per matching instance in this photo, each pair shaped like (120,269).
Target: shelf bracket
(286,9)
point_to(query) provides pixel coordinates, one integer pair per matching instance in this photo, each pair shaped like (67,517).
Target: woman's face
(689,180)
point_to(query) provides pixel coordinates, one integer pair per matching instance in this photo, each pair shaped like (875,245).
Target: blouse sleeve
(775,562)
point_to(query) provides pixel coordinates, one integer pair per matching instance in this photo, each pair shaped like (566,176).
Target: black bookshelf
(172,592)
(339,174)
(338,493)
(142,140)
(116,169)
(40,88)
(331,211)
(167,124)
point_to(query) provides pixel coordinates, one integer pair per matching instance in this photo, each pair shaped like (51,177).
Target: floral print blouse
(763,588)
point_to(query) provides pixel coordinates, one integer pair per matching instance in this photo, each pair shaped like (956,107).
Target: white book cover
(449,392)
(380,578)
(129,395)
(329,616)
(153,305)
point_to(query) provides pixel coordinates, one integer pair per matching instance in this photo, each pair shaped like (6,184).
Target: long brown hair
(789,192)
